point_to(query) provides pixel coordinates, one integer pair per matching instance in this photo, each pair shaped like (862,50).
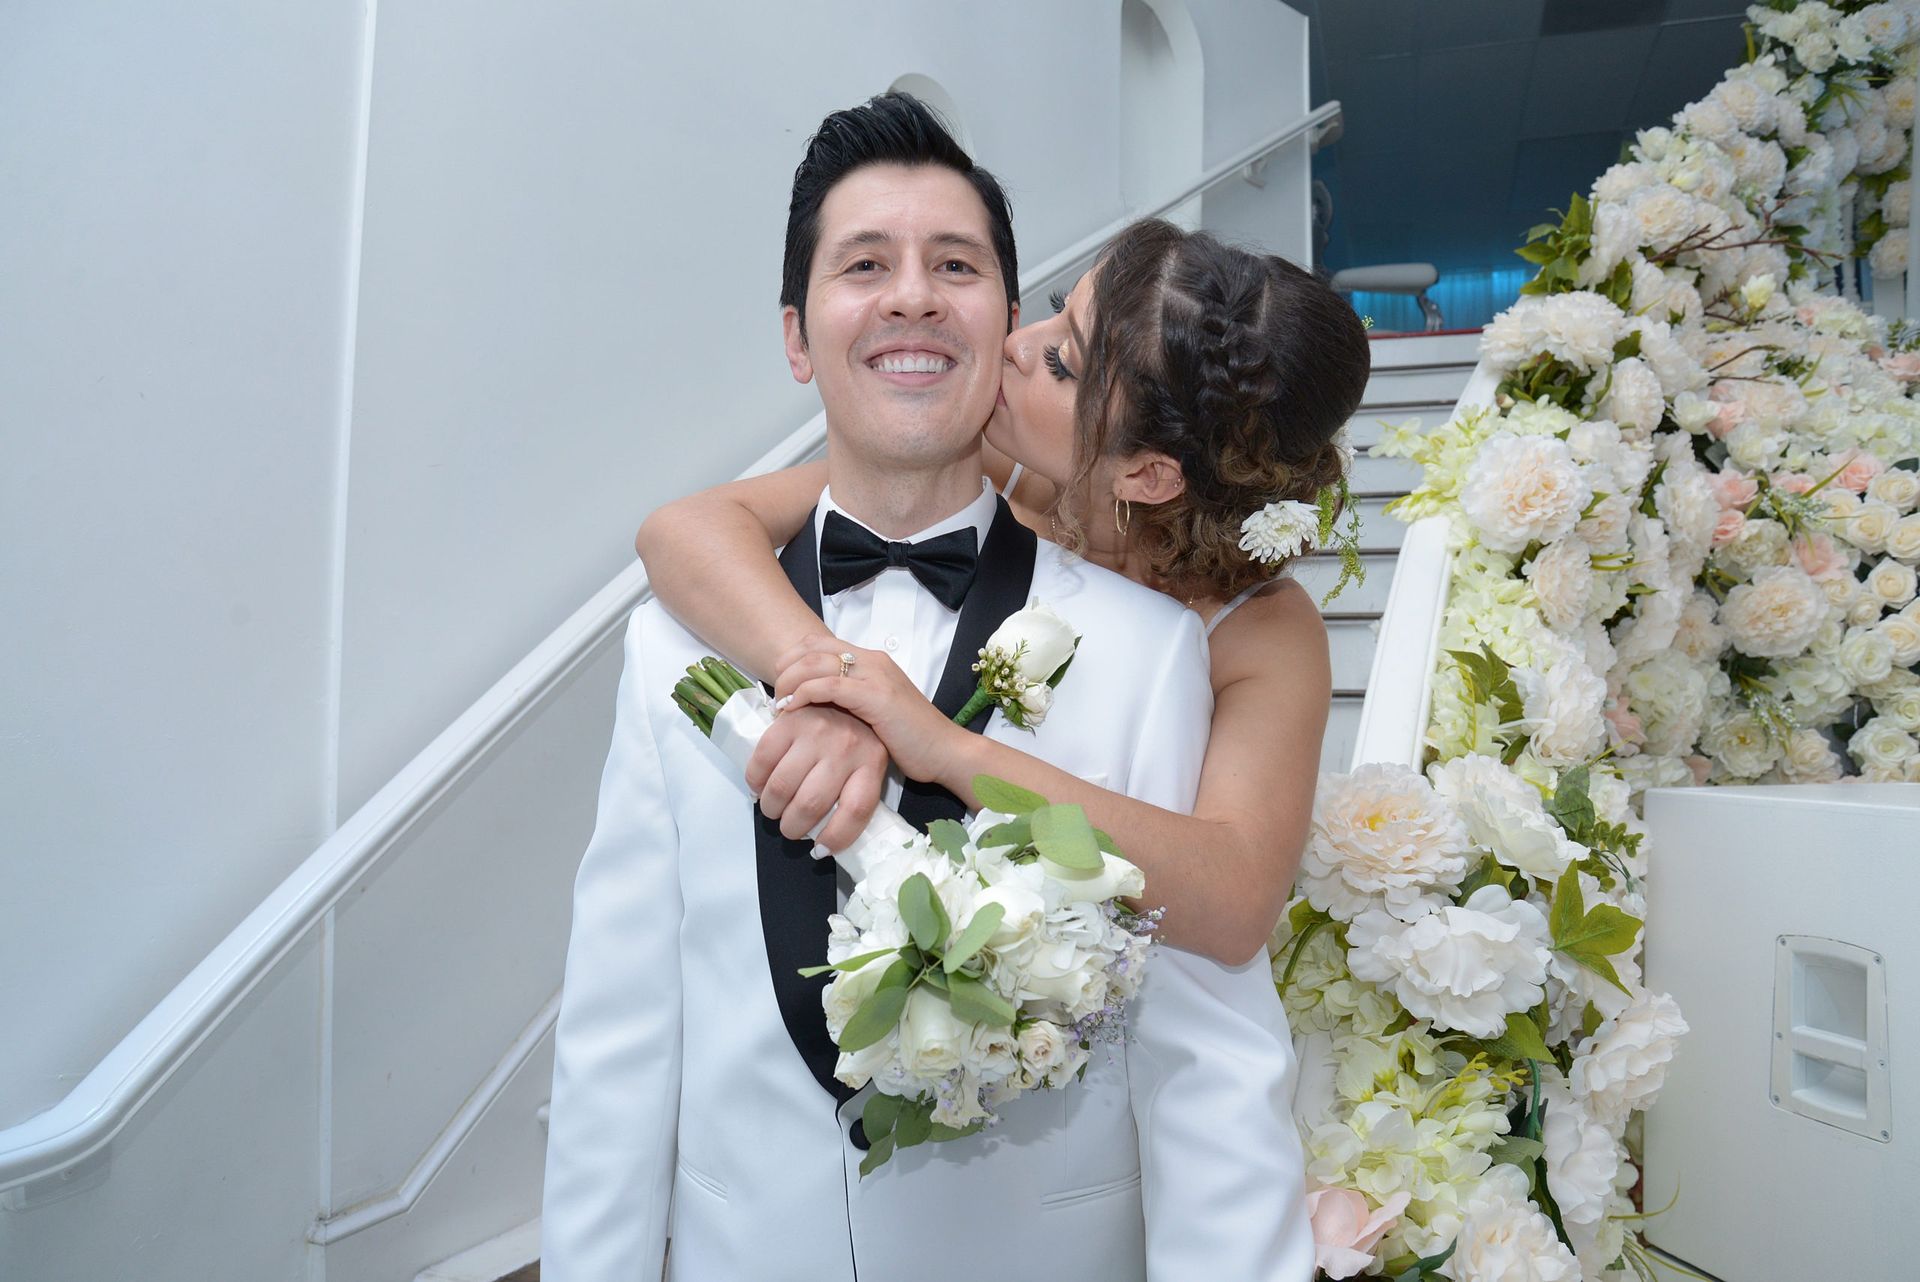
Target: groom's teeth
(912,363)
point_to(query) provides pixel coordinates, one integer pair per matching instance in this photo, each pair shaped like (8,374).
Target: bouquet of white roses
(973,963)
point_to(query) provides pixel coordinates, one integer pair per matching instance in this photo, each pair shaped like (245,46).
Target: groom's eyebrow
(874,237)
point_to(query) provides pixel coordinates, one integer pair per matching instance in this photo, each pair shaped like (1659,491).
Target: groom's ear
(1149,477)
(798,359)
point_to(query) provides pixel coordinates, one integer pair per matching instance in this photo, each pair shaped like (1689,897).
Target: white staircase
(1414,376)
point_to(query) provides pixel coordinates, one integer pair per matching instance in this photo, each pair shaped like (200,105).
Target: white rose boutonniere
(1020,665)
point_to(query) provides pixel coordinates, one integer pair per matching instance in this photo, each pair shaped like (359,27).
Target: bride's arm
(1222,873)
(710,559)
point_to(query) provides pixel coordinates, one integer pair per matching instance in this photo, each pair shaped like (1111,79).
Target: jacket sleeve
(1210,1063)
(616,1071)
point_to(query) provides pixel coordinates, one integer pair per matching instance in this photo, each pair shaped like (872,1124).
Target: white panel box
(1782,921)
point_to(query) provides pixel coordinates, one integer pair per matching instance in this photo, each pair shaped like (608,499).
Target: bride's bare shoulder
(1277,632)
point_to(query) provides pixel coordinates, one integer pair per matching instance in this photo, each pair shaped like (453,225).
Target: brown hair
(1240,366)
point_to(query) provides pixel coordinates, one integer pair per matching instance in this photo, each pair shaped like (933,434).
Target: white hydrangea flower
(1381,838)
(1504,815)
(1466,967)
(1776,614)
(1522,490)
(1280,531)
(1621,1068)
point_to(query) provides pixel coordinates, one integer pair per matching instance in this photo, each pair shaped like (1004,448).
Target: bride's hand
(916,735)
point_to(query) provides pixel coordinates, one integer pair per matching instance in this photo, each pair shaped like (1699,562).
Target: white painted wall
(303,456)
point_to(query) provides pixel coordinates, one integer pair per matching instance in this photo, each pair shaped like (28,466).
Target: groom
(693,1094)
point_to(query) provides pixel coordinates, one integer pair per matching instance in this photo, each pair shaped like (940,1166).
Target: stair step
(1365,428)
(1400,350)
(1420,385)
(514,1256)
(1317,574)
(1383,475)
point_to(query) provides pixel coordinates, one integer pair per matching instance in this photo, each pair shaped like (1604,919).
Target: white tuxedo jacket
(683,1106)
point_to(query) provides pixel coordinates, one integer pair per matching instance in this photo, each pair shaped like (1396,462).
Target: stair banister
(101,1103)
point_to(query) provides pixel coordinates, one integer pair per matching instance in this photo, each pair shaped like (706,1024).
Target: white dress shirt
(892,613)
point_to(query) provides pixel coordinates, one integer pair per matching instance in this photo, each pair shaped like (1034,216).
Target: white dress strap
(1239,600)
(1013,481)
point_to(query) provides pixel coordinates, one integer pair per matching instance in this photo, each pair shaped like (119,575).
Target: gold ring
(846,663)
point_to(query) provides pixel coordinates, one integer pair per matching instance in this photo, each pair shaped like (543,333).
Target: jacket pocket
(1092,1192)
(701,1180)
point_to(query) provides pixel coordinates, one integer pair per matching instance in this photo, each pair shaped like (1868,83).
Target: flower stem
(978,703)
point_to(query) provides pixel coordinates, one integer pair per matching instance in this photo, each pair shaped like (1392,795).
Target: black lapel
(797,890)
(1000,587)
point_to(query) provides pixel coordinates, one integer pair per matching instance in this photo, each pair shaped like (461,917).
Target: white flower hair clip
(1281,531)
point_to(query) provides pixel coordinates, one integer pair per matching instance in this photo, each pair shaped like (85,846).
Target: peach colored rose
(1734,488)
(1819,556)
(1701,768)
(1792,482)
(1628,730)
(1728,527)
(1905,365)
(1344,1234)
(1727,415)
(1859,472)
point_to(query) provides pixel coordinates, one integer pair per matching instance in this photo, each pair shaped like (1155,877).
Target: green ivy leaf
(1514,1150)
(1571,804)
(1628,346)
(1522,1040)
(1004,797)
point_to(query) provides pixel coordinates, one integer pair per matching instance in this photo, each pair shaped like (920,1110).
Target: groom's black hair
(891,129)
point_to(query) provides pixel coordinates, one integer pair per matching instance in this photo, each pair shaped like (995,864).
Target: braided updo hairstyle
(1240,366)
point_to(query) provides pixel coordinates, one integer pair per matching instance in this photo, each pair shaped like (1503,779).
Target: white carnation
(1466,967)
(1562,579)
(1634,399)
(1504,1238)
(1582,1157)
(1563,699)
(1621,1068)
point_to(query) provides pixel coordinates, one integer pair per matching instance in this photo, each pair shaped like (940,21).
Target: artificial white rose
(1902,542)
(1115,877)
(1881,746)
(1888,257)
(1023,910)
(1892,582)
(1898,488)
(932,1041)
(1035,640)
(1621,1068)
(1740,745)
(1504,1238)
(1465,967)
(1693,412)
(1899,704)
(1759,543)
(1522,490)
(1037,701)
(1669,694)
(1504,815)
(1381,838)
(1809,758)
(1776,614)
(992,1052)
(1698,633)
(1866,656)
(1902,632)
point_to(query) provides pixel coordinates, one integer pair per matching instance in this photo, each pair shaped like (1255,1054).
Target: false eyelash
(1059,303)
(1051,355)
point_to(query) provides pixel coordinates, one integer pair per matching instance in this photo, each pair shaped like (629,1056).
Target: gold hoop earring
(1122,516)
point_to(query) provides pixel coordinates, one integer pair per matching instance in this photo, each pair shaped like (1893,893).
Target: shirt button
(891,644)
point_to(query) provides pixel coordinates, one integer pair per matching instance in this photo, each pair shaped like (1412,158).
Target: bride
(1180,388)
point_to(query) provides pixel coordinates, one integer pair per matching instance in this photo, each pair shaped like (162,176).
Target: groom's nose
(911,293)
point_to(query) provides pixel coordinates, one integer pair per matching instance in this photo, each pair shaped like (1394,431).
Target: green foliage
(850,964)
(881,1011)
(979,930)
(1558,248)
(925,916)
(1334,501)
(1589,937)
(1005,798)
(949,838)
(974,1002)
(1522,1040)
(1489,680)
(1064,837)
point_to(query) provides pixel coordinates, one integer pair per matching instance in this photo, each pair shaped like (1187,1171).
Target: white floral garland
(1687,542)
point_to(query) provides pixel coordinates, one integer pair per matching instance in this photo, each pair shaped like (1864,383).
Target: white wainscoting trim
(400,1199)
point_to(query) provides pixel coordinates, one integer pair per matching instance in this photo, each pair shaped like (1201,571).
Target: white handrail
(101,1103)
(1393,718)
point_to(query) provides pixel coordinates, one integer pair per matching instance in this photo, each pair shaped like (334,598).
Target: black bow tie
(850,554)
